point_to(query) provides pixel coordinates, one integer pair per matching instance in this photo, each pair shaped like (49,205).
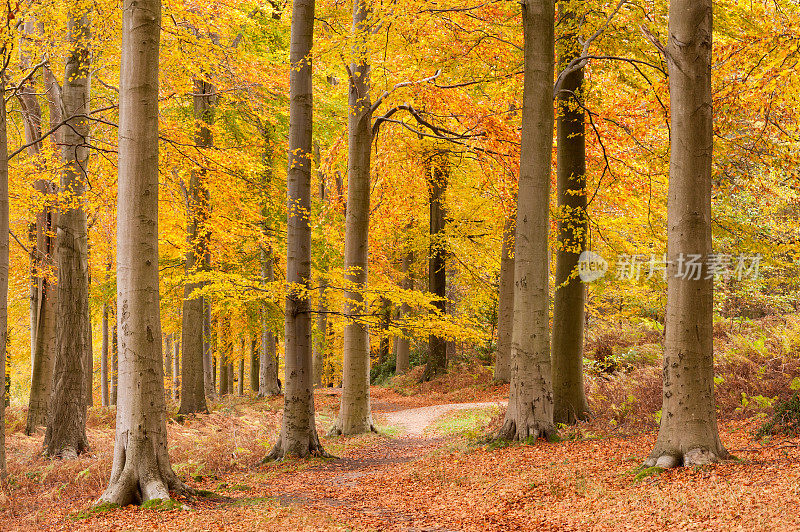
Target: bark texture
(321,343)
(688,434)
(437,264)
(4,230)
(176,378)
(505,305)
(193,376)
(298,436)
(141,470)
(254,366)
(569,396)
(530,404)
(402,343)
(209,376)
(66,427)
(355,414)
(104,359)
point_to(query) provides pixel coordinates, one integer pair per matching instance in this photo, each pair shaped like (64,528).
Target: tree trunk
(321,345)
(437,269)
(209,376)
(43,292)
(176,379)
(141,469)
(104,359)
(688,434)
(254,365)
(298,436)
(193,376)
(114,359)
(225,352)
(355,414)
(530,404)
(66,427)
(240,383)
(505,303)
(402,344)
(386,322)
(569,396)
(231,377)
(168,341)
(4,231)
(268,372)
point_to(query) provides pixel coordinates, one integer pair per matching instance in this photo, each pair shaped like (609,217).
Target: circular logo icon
(591,266)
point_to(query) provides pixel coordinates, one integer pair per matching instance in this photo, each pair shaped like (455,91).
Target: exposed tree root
(298,448)
(696,456)
(528,432)
(336,430)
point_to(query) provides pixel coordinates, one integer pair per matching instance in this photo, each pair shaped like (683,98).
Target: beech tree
(569,397)
(66,427)
(4,234)
(355,414)
(688,434)
(530,403)
(402,344)
(141,470)
(505,305)
(298,436)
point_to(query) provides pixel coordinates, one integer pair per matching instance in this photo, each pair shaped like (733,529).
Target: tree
(505,303)
(268,370)
(530,403)
(298,436)
(436,165)
(66,427)
(104,358)
(688,434)
(4,233)
(569,397)
(355,413)
(141,469)
(402,343)
(193,379)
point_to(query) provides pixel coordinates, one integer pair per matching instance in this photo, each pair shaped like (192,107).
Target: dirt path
(414,421)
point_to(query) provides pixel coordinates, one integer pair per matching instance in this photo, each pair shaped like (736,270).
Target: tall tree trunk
(688,434)
(321,340)
(505,303)
(298,436)
(268,372)
(114,358)
(402,344)
(240,383)
(176,378)
(4,234)
(104,358)
(193,376)
(386,322)
(43,291)
(225,353)
(141,469)
(254,365)
(355,414)
(569,397)
(437,270)
(530,403)
(209,378)
(66,427)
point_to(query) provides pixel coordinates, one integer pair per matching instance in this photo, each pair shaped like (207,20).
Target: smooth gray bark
(436,163)
(569,396)
(208,334)
(355,414)
(66,427)
(168,342)
(268,361)
(402,344)
(176,377)
(141,470)
(254,365)
(505,305)
(530,404)
(688,434)
(104,358)
(298,436)
(4,232)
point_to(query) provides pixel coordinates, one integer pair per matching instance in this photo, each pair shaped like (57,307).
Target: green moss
(648,472)
(161,505)
(253,501)
(94,510)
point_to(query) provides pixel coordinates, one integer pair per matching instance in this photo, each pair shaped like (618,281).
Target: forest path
(414,421)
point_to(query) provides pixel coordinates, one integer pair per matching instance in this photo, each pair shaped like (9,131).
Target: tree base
(336,430)
(285,451)
(697,456)
(528,432)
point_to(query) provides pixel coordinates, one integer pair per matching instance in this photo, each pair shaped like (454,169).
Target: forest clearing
(411,265)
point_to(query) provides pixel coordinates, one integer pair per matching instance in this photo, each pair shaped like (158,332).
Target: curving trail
(414,421)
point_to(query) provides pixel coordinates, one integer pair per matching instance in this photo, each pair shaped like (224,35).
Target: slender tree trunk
(240,383)
(268,373)
(104,359)
(569,397)
(141,469)
(114,359)
(505,303)
(386,322)
(231,377)
(688,433)
(176,378)
(530,404)
(4,234)
(402,344)
(209,377)
(437,272)
(168,341)
(254,365)
(225,353)
(298,436)
(355,414)
(321,345)
(193,377)
(43,293)
(66,427)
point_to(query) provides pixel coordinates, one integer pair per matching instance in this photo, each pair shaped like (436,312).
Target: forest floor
(428,468)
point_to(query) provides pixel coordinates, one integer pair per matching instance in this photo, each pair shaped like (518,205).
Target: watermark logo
(591,266)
